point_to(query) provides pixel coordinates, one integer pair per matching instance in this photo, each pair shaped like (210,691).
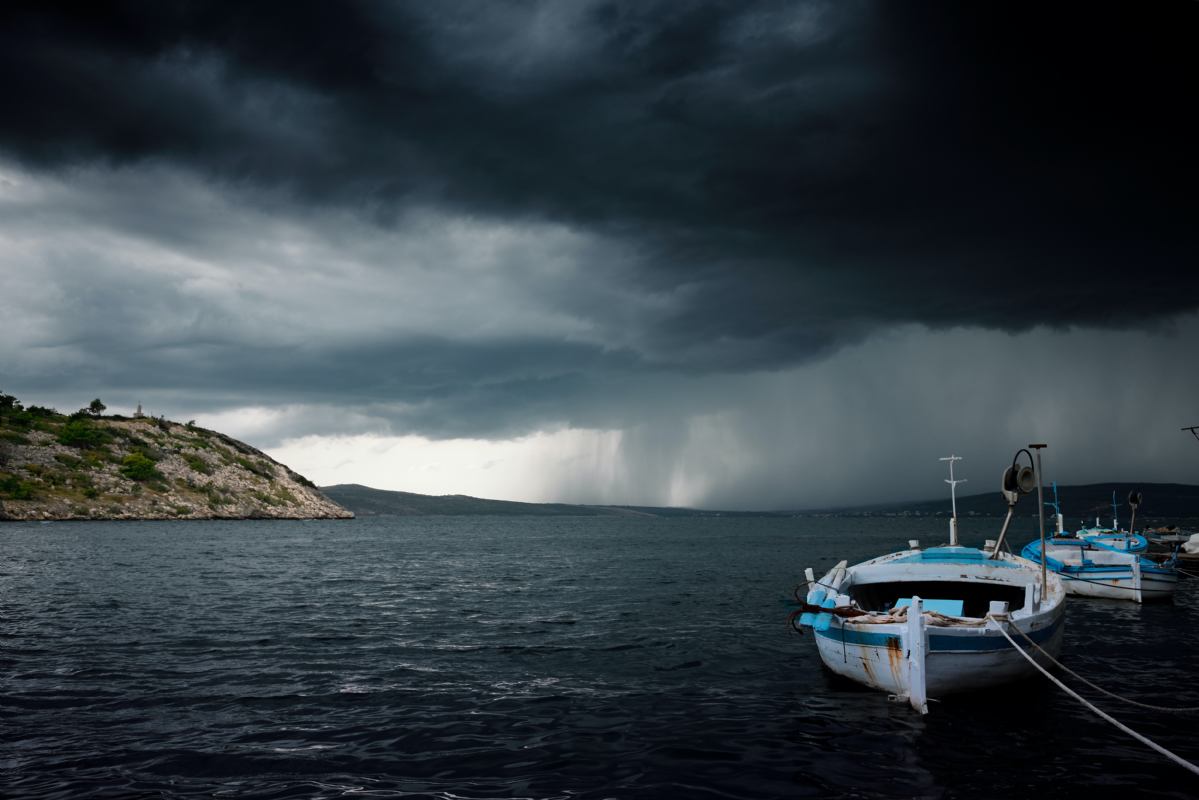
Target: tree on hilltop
(96,408)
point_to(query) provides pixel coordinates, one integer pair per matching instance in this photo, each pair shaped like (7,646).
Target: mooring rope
(1184,572)
(1130,701)
(1182,762)
(818,583)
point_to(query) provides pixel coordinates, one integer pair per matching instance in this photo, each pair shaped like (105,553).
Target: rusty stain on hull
(867,668)
(895,657)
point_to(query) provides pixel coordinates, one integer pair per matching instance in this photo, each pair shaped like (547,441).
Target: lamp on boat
(1017,480)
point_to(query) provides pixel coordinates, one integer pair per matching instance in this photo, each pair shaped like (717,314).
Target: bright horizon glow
(526,469)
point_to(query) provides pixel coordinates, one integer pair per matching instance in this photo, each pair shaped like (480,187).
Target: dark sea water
(524,657)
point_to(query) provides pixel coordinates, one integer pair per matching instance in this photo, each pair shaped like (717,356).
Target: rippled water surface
(522,657)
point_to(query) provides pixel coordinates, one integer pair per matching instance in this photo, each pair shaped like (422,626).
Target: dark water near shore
(526,657)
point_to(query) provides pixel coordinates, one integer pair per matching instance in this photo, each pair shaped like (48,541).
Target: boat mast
(1057,510)
(1041,519)
(1115,518)
(953,497)
(1134,500)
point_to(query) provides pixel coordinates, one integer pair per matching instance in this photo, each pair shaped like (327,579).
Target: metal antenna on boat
(1115,514)
(953,485)
(1041,518)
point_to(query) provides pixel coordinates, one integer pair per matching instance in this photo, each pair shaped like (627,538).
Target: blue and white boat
(1121,540)
(1107,563)
(1093,568)
(1127,541)
(923,623)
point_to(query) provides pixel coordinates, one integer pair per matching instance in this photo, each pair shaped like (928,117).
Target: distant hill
(1083,502)
(91,466)
(365,501)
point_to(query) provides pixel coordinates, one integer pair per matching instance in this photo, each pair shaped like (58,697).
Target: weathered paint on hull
(955,662)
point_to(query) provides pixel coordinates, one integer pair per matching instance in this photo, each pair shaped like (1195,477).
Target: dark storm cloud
(735,254)
(796,175)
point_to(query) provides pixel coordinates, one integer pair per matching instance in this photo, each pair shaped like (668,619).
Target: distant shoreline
(1181,499)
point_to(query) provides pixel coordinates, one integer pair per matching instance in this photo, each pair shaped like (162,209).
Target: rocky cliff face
(58,467)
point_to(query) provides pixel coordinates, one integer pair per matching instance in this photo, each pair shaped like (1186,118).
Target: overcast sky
(732,255)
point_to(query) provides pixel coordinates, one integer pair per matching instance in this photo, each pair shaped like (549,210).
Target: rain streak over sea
(480,657)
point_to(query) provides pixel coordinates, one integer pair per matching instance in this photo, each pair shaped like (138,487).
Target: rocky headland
(89,466)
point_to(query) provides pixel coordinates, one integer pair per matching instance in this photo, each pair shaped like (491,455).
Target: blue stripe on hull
(936,643)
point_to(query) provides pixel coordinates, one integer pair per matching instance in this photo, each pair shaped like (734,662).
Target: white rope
(1064,668)
(1143,739)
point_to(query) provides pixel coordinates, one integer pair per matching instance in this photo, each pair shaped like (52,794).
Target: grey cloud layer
(803,172)
(442,325)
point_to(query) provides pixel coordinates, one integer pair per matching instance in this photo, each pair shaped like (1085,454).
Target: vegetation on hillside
(87,465)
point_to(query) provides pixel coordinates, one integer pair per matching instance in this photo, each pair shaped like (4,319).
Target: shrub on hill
(198,464)
(138,467)
(13,488)
(83,433)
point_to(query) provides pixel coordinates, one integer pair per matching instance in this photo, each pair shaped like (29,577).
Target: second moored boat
(1106,563)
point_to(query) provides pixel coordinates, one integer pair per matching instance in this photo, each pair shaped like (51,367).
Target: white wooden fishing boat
(923,623)
(914,623)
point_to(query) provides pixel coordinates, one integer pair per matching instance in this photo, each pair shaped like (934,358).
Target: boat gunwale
(1015,571)
(1039,626)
